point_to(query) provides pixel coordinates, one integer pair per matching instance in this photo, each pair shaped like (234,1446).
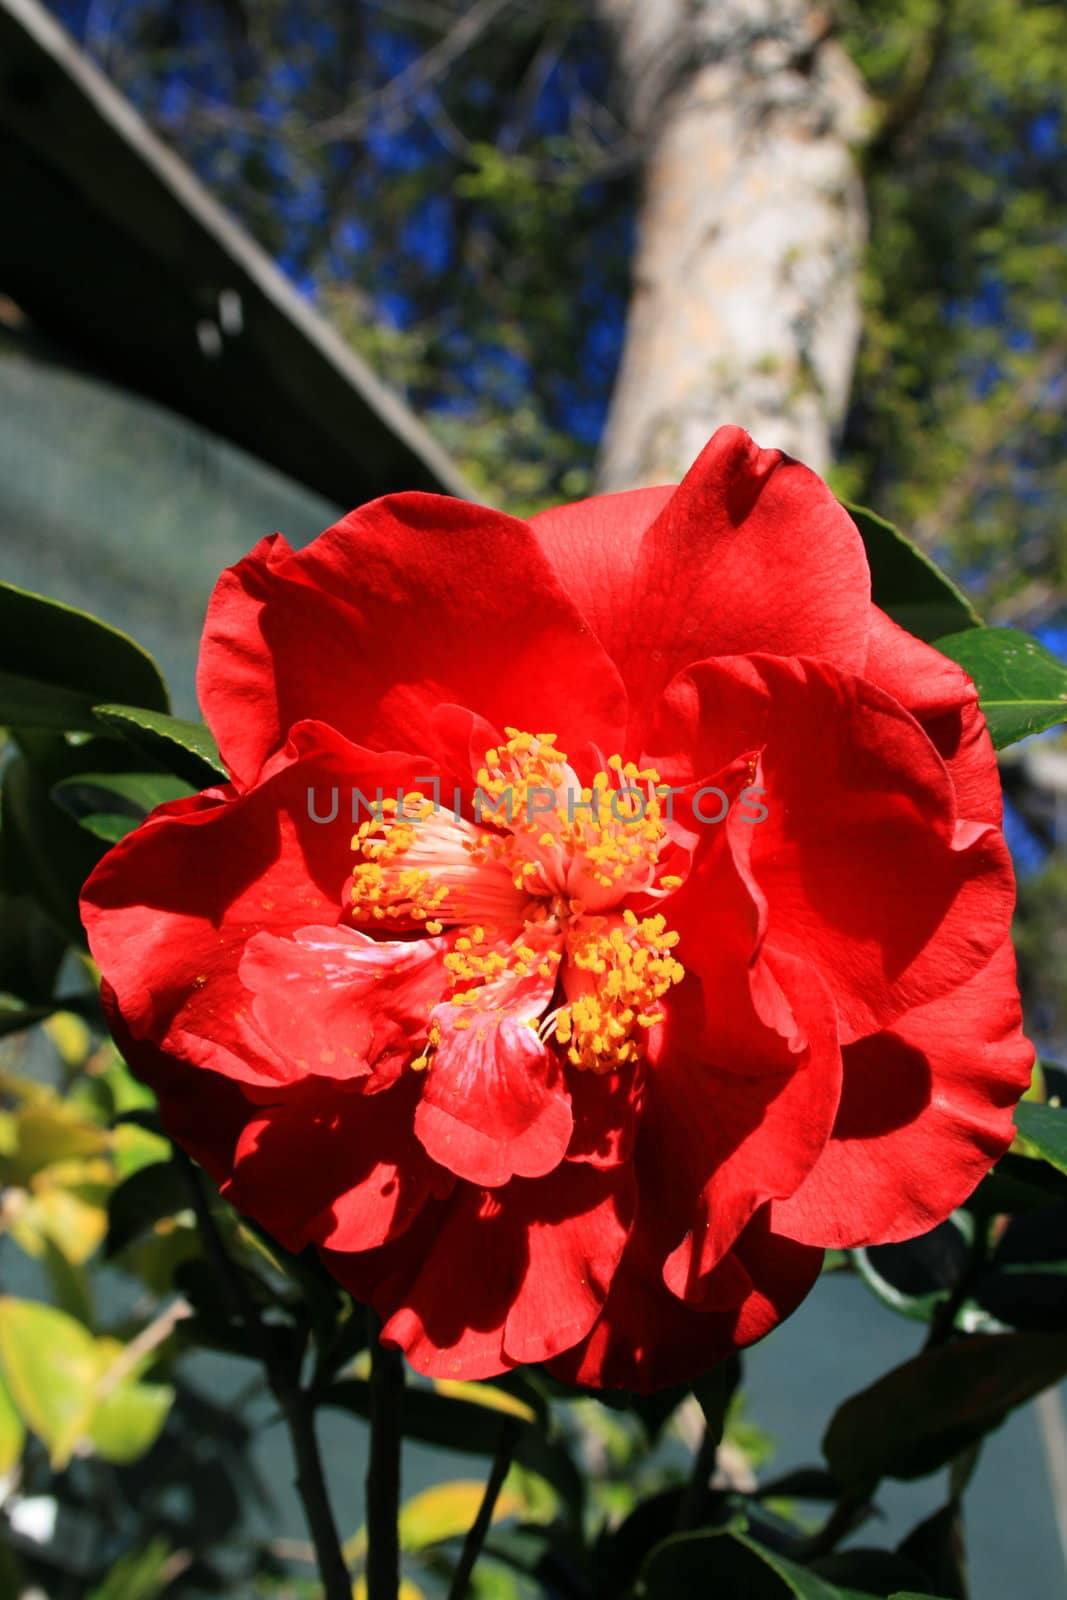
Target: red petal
(170,910)
(607,1109)
(489,1280)
(335,1169)
(751,552)
(945,701)
(864,871)
(340,1004)
(202,1111)
(494,1104)
(647,1339)
(410,602)
(719,1137)
(926,1111)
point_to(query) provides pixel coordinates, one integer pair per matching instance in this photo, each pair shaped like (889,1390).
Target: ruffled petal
(926,1111)
(495,1103)
(342,1170)
(339,1004)
(170,910)
(492,1279)
(865,869)
(716,1144)
(647,1339)
(411,602)
(751,552)
(941,696)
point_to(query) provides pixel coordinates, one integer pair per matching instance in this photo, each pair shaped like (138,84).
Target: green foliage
(906,584)
(1021,685)
(957,425)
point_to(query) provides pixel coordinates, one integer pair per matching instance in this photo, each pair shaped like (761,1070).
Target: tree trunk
(745,301)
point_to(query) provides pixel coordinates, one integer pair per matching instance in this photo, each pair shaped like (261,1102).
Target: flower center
(536,885)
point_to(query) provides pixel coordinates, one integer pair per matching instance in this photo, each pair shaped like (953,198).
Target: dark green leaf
(876,1572)
(729,1562)
(907,584)
(1021,685)
(45,853)
(56,663)
(140,1575)
(31,950)
(109,805)
(145,1198)
(1045,1129)
(937,1547)
(919,1416)
(1016,1184)
(185,748)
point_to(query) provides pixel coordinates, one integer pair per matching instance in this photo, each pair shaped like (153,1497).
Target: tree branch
(383,1467)
(472,1545)
(296,1405)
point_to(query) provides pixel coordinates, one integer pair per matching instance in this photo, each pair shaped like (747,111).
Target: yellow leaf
(444,1511)
(485,1394)
(50,1364)
(71,1037)
(12,1431)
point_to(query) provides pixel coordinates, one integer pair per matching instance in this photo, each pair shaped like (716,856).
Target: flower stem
(295,1403)
(472,1545)
(383,1469)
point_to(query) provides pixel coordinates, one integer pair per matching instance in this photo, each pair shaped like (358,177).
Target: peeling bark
(745,303)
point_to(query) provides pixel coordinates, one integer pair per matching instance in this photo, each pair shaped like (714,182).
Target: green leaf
(1021,685)
(907,584)
(140,1575)
(56,663)
(12,1431)
(50,1364)
(31,951)
(145,1198)
(129,1420)
(44,852)
(916,1418)
(728,1561)
(185,748)
(110,805)
(1044,1128)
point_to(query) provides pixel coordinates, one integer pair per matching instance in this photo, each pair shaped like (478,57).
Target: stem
(472,1545)
(944,1320)
(383,1468)
(295,1403)
(696,1490)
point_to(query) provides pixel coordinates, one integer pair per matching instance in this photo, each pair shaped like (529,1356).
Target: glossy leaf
(139,1575)
(56,663)
(110,805)
(916,1418)
(12,1430)
(729,1562)
(1021,685)
(185,748)
(1044,1129)
(906,584)
(44,852)
(126,1422)
(50,1364)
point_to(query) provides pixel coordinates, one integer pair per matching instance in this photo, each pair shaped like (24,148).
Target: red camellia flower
(606,913)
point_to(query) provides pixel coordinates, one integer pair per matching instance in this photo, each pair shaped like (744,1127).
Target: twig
(383,1467)
(510,1434)
(389,103)
(696,1490)
(295,1403)
(149,1339)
